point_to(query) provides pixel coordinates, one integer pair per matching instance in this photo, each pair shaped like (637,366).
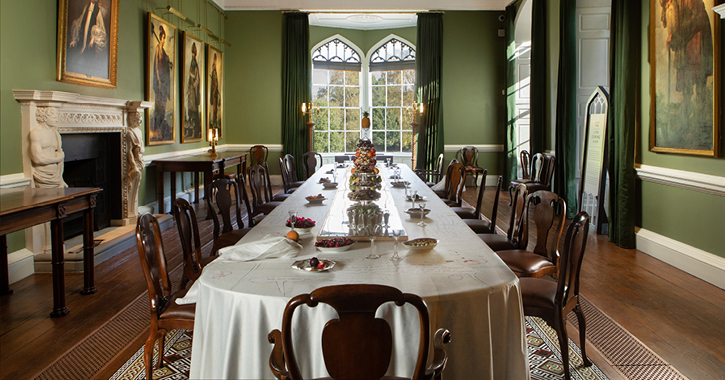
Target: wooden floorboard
(677,315)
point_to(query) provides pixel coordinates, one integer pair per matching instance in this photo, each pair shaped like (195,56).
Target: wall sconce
(174,12)
(213,140)
(205,30)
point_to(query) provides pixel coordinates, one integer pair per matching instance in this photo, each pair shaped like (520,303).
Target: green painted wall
(474,78)
(27,61)
(687,216)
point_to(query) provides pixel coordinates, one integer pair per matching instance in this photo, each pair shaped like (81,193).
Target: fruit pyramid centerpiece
(363,216)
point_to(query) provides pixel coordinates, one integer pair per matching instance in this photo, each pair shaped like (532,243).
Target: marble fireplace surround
(78,114)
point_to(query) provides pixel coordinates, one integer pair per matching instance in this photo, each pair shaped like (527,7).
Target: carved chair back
(259,186)
(570,263)
(548,211)
(517,214)
(153,261)
(494,213)
(481,190)
(456,181)
(258,155)
(550,165)
(186,224)
(525,159)
(469,156)
(309,163)
(356,345)
(289,161)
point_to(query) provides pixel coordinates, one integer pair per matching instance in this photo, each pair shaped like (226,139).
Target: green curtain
(296,82)
(428,62)
(566,113)
(511,161)
(537,129)
(623,115)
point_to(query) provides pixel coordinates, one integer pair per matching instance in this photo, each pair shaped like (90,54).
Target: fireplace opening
(94,160)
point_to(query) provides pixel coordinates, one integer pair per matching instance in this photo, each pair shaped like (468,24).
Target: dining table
(467,288)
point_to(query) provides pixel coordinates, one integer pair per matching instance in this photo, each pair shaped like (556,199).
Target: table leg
(172,179)
(4,277)
(208,176)
(58,264)
(160,188)
(88,252)
(196,187)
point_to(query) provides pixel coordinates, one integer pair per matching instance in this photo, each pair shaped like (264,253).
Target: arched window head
(393,55)
(336,55)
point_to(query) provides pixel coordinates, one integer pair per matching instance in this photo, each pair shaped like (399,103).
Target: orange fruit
(293,235)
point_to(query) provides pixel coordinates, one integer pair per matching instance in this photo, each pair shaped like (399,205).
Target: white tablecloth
(467,287)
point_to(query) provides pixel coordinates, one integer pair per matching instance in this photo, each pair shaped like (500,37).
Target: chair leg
(582,334)
(148,354)
(560,327)
(511,195)
(162,339)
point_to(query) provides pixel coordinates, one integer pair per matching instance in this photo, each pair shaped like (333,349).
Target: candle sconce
(213,140)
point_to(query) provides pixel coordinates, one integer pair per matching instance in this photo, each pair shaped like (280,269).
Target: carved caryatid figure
(46,150)
(135,160)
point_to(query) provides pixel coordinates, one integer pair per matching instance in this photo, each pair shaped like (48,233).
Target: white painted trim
(21,264)
(704,183)
(699,263)
(488,148)
(9,181)
(720,9)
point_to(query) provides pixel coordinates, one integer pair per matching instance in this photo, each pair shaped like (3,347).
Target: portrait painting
(87,42)
(192,90)
(685,75)
(215,94)
(161,83)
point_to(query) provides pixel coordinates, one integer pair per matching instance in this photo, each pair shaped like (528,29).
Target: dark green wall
(28,32)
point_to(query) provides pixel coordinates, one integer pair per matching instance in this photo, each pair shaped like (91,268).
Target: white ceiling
(367,5)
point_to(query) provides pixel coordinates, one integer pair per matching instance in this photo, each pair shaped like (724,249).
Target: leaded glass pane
(337,77)
(351,141)
(409,76)
(378,77)
(352,97)
(408,95)
(379,139)
(394,97)
(392,143)
(378,96)
(336,96)
(335,51)
(320,143)
(378,120)
(393,119)
(352,78)
(352,119)
(319,96)
(337,141)
(394,77)
(322,120)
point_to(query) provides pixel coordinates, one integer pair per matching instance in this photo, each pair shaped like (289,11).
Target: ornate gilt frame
(210,50)
(64,75)
(172,41)
(656,26)
(184,74)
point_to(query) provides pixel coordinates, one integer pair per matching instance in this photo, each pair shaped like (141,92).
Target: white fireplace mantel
(80,114)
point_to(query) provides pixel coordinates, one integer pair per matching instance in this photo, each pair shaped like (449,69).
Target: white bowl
(415,212)
(329,185)
(415,244)
(399,183)
(315,200)
(304,265)
(335,249)
(302,231)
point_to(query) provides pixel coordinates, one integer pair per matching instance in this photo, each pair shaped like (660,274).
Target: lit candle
(211,134)
(304,107)
(421,108)
(216,134)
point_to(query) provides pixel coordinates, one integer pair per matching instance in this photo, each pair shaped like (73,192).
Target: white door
(593,21)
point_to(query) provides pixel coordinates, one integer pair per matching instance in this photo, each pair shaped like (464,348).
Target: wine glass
(422,214)
(386,218)
(373,234)
(414,196)
(396,236)
(292,218)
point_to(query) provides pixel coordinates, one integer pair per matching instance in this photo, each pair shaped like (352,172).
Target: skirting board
(20,265)
(701,264)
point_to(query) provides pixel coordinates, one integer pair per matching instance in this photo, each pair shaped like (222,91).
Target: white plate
(329,185)
(315,200)
(399,183)
(416,212)
(303,230)
(304,265)
(432,243)
(335,249)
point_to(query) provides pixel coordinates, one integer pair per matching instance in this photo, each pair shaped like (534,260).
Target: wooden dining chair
(258,155)
(309,163)
(434,176)
(469,158)
(456,178)
(469,212)
(548,212)
(512,239)
(188,228)
(262,202)
(357,345)
(222,196)
(524,160)
(289,174)
(444,192)
(487,226)
(553,301)
(542,171)
(166,315)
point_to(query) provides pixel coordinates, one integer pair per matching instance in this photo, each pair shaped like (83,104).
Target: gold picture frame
(161,81)
(215,92)
(87,42)
(685,76)
(193,78)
